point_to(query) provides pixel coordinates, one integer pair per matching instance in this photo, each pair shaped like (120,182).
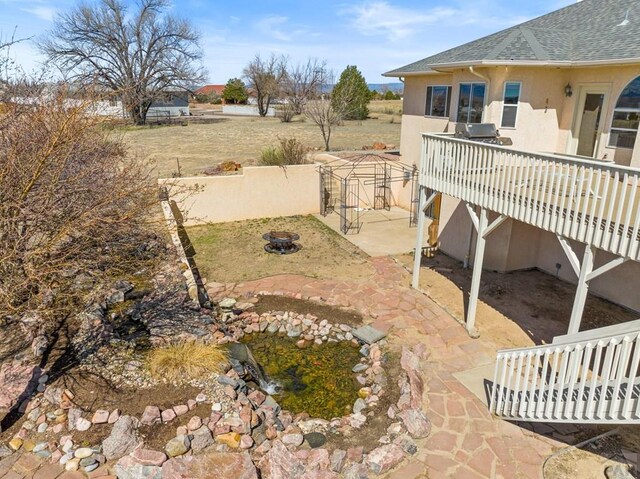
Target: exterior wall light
(568,91)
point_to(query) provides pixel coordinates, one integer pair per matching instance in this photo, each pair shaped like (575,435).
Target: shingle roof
(584,32)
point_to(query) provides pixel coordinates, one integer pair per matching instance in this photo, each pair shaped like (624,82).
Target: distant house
(208,90)
(173,104)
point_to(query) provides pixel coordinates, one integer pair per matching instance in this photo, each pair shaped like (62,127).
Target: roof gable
(587,31)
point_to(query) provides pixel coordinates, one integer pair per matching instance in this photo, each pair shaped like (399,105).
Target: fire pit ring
(281,242)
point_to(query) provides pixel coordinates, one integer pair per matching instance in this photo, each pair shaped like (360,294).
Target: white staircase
(588,377)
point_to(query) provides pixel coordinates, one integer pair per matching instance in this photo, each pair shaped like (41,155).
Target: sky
(374,35)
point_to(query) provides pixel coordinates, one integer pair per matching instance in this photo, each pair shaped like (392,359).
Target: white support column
(482,223)
(583,289)
(417,257)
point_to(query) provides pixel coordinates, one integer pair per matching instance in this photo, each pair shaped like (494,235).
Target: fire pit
(281,242)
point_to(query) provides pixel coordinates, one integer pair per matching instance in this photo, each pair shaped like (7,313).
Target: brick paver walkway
(466,441)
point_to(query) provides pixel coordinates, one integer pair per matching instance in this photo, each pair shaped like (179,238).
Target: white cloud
(382,18)
(45,13)
(271,25)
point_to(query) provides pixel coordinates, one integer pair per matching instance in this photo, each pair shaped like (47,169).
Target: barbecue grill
(481,132)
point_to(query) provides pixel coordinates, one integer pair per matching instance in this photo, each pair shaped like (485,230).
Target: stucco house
(562,198)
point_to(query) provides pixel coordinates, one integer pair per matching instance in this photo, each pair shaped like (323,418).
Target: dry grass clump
(186,361)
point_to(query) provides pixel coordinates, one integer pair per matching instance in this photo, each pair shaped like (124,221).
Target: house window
(438,101)
(471,102)
(626,117)
(510,104)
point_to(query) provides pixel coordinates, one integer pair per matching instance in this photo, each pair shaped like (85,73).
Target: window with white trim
(471,102)
(438,101)
(511,98)
(626,117)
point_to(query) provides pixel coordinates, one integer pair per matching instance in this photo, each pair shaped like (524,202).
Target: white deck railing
(594,381)
(589,201)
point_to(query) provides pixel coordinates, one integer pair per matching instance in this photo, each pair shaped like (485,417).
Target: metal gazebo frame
(345,184)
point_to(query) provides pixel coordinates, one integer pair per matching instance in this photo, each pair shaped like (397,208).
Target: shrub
(290,151)
(185,361)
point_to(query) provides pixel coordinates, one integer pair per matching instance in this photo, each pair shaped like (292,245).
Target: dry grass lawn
(240,139)
(234,252)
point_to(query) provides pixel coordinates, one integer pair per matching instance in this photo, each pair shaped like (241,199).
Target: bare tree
(328,112)
(265,77)
(139,55)
(73,204)
(303,82)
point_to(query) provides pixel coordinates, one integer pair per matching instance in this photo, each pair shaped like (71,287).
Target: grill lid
(476,130)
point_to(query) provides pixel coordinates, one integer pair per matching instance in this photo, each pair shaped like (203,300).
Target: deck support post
(585,273)
(417,256)
(483,229)
(478,260)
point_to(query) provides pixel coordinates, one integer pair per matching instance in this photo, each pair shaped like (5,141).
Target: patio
(466,441)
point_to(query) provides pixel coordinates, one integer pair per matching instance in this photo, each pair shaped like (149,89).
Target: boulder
(280,463)
(384,458)
(123,438)
(210,466)
(294,439)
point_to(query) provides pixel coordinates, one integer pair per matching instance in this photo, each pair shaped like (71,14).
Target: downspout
(480,75)
(472,229)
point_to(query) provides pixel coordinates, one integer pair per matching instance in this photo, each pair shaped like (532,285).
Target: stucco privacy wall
(259,192)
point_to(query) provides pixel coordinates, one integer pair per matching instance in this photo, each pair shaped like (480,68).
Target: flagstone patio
(466,441)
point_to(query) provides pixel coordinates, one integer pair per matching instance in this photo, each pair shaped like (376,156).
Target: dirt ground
(234,252)
(240,139)
(590,460)
(515,309)
(322,311)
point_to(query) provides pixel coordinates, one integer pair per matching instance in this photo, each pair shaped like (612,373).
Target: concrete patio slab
(383,232)
(477,380)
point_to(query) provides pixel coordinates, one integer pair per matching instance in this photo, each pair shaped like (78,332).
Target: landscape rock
(315,439)
(123,438)
(231,439)
(617,472)
(407,444)
(210,466)
(201,439)
(318,459)
(416,423)
(83,424)
(167,415)
(100,417)
(129,468)
(194,423)
(337,460)
(384,458)
(410,362)
(151,415)
(178,445)
(294,439)
(149,457)
(280,463)
(356,471)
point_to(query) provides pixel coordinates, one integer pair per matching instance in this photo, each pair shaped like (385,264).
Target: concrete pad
(382,233)
(368,334)
(478,380)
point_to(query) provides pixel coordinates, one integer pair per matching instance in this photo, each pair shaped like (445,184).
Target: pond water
(317,379)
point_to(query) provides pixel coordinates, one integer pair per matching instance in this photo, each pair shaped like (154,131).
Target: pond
(316,379)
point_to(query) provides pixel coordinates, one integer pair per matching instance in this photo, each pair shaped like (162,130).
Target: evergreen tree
(235,91)
(351,94)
